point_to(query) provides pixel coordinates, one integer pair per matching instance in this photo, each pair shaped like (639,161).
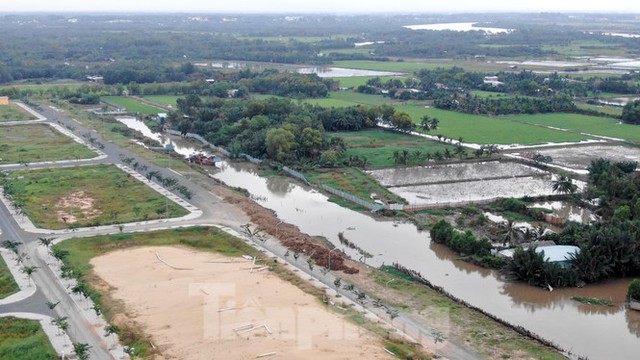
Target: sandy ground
(180,309)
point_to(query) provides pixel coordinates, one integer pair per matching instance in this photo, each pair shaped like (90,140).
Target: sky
(322,6)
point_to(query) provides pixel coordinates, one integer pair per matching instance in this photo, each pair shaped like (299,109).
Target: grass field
(583,123)
(22,339)
(378,145)
(353,50)
(131,105)
(8,284)
(14,112)
(388,65)
(609,110)
(355,81)
(355,182)
(164,99)
(488,130)
(37,143)
(349,98)
(493,95)
(59,198)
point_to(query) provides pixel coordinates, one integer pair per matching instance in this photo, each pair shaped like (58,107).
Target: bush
(634,290)
(464,243)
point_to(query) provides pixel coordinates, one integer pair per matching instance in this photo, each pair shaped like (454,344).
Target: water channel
(598,332)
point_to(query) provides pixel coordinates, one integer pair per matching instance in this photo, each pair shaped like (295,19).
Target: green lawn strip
(8,284)
(488,130)
(37,143)
(583,123)
(395,66)
(355,81)
(475,330)
(353,181)
(496,95)
(132,105)
(13,112)
(48,195)
(609,110)
(354,50)
(164,99)
(378,145)
(24,339)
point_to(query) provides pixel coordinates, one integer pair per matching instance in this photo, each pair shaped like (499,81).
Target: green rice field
(355,81)
(164,99)
(132,105)
(378,145)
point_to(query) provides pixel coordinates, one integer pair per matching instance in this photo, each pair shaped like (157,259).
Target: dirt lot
(181,309)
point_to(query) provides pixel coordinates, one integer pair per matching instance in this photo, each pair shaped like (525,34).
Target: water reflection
(633,321)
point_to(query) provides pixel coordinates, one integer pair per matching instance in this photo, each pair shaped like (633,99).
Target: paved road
(84,326)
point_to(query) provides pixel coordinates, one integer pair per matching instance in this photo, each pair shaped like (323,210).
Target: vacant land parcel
(85,196)
(13,112)
(36,143)
(132,105)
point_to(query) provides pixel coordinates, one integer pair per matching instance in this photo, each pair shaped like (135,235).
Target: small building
(4,100)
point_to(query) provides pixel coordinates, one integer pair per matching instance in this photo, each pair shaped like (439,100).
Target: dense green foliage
(631,112)
(465,243)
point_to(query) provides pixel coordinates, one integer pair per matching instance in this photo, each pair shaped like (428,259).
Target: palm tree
(28,270)
(509,232)
(434,124)
(46,241)
(81,350)
(11,245)
(459,150)
(52,305)
(61,323)
(564,185)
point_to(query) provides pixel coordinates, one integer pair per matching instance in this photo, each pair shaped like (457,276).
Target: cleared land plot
(579,157)
(132,105)
(451,172)
(24,339)
(489,130)
(37,143)
(13,112)
(453,183)
(585,124)
(180,309)
(8,284)
(86,196)
(378,145)
(398,66)
(164,99)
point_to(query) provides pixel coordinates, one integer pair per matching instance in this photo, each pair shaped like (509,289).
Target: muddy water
(593,331)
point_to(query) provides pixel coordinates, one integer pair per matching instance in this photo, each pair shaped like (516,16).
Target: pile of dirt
(290,236)
(74,202)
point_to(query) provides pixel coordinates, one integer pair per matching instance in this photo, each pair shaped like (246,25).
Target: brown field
(180,307)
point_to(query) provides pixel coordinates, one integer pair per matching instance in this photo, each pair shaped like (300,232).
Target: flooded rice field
(331,72)
(579,157)
(464,182)
(448,172)
(598,332)
(475,191)
(567,212)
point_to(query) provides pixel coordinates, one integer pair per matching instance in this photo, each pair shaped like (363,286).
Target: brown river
(592,331)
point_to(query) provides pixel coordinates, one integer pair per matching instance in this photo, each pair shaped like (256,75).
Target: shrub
(634,290)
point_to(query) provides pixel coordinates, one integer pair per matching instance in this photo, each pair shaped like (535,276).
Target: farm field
(38,143)
(164,99)
(14,112)
(609,110)
(585,124)
(488,130)
(8,284)
(398,66)
(579,157)
(59,198)
(131,105)
(378,145)
(355,81)
(493,95)
(24,339)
